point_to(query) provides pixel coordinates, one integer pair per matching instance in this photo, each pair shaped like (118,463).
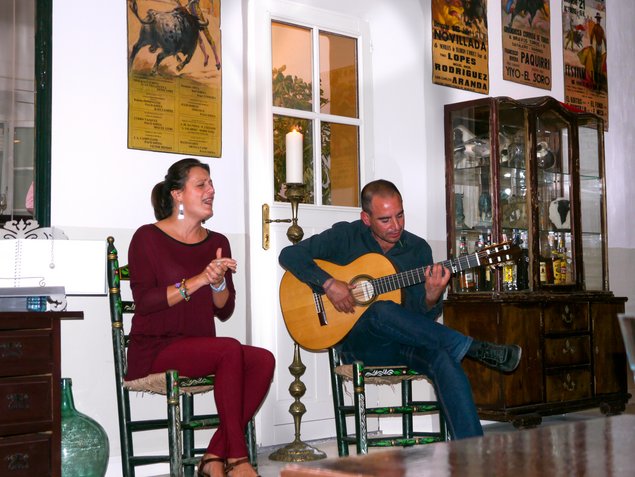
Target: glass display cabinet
(530,173)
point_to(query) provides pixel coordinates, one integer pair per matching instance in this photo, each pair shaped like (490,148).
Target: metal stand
(296,451)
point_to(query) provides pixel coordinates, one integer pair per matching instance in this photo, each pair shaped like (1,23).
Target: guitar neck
(414,277)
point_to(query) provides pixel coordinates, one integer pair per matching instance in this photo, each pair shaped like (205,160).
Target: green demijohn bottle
(85,447)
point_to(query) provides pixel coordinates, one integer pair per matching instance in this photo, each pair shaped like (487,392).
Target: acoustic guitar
(315,324)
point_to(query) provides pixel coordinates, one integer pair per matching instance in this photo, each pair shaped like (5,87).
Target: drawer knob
(19,401)
(568,349)
(568,384)
(18,461)
(11,349)
(567,315)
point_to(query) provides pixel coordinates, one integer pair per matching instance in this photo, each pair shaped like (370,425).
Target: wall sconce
(295,194)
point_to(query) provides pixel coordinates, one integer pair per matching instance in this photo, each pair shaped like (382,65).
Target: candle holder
(295,194)
(296,451)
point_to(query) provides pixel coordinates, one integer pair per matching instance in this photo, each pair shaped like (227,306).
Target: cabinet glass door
(514,205)
(591,206)
(552,159)
(472,192)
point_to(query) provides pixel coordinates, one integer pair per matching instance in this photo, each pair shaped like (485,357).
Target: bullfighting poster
(526,42)
(459,44)
(585,76)
(174,76)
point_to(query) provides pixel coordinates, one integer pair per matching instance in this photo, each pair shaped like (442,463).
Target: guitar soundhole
(364,292)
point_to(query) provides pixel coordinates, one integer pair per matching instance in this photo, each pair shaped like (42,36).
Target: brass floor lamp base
(297,451)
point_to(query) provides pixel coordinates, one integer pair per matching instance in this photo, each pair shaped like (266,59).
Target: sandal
(230,466)
(201,465)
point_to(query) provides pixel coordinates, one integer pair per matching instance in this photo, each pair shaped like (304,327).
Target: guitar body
(301,314)
(315,324)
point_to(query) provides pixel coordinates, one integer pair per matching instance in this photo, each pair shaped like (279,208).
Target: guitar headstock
(500,253)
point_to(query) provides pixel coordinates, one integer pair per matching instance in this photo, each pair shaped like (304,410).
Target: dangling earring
(181,215)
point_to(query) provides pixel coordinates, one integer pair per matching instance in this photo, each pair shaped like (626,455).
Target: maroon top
(157,261)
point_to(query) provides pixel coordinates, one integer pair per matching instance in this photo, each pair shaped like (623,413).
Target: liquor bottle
(557,259)
(510,272)
(569,258)
(489,275)
(522,281)
(479,273)
(467,283)
(546,260)
(562,255)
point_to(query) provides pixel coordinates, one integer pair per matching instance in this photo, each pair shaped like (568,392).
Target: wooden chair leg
(252,449)
(337,387)
(174,423)
(187,403)
(360,408)
(407,426)
(125,434)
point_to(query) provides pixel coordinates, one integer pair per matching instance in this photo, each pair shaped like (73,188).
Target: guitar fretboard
(490,256)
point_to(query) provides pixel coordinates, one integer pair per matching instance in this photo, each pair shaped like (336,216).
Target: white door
(267,325)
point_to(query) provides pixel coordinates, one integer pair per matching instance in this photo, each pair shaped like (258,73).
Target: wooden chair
(181,421)
(386,375)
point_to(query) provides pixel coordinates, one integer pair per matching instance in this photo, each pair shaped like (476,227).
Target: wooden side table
(30,423)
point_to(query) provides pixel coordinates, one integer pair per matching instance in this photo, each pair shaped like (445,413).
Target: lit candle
(294,158)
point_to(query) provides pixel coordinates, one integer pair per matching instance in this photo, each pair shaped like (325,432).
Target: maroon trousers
(243,376)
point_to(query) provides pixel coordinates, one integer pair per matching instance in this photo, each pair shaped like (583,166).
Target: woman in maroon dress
(181,278)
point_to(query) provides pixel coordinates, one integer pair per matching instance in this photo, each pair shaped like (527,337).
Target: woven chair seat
(155,384)
(380,374)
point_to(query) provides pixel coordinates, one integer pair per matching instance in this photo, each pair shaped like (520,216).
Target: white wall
(100,188)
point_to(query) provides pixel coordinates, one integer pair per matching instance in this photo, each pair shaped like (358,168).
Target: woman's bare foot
(240,467)
(211,466)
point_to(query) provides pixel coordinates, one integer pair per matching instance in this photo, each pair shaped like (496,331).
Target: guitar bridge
(319,309)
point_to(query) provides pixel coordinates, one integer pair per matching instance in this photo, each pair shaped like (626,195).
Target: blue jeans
(389,334)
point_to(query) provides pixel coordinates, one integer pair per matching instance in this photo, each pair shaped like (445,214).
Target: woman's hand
(215,271)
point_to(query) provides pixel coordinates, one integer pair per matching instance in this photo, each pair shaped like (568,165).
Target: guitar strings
(366,290)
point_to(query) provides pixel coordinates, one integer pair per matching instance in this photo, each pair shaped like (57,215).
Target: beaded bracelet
(220,287)
(183,290)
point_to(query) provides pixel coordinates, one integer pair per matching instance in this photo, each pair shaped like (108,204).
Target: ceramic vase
(85,447)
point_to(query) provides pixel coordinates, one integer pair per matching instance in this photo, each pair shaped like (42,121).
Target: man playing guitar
(389,333)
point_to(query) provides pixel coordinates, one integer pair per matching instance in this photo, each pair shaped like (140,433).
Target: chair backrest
(118,307)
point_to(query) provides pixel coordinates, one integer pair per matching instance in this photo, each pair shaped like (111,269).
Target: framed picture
(174,76)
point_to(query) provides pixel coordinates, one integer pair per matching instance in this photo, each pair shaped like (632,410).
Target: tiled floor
(269,468)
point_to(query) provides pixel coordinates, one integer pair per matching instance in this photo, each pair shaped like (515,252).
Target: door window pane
(340,165)
(292,66)
(281,126)
(338,75)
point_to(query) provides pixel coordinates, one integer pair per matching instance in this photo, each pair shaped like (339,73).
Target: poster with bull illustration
(174,76)
(526,42)
(459,44)
(585,77)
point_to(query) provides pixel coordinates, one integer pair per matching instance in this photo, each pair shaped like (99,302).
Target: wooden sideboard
(573,355)
(30,426)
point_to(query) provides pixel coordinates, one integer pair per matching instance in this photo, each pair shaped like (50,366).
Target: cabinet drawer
(567,351)
(569,385)
(25,456)
(25,404)
(26,352)
(565,317)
